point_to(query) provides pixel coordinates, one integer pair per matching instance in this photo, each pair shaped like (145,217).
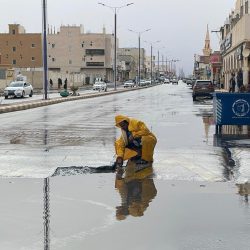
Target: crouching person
(136,141)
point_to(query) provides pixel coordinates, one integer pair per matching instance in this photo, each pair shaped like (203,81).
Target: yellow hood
(120,118)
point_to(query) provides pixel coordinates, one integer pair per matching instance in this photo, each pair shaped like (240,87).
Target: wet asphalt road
(188,200)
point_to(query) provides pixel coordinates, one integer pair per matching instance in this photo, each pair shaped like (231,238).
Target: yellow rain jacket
(138,129)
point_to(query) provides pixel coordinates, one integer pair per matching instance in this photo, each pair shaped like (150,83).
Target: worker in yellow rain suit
(136,141)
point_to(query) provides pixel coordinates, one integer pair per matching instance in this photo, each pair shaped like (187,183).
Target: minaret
(207,49)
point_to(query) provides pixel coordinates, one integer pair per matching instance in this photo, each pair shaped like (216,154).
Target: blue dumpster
(231,108)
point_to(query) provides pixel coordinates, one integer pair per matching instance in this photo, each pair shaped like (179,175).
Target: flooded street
(192,198)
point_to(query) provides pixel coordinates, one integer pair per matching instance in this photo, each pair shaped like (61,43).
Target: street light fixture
(139,41)
(115,10)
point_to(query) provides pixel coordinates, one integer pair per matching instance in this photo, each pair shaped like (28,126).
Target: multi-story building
(126,67)
(20,52)
(134,53)
(71,51)
(235,42)
(20,49)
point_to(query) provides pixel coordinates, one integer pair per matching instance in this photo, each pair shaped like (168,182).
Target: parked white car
(166,80)
(18,89)
(129,84)
(148,81)
(142,83)
(100,85)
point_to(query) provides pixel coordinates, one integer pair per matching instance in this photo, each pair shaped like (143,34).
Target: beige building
(235,42)
(19,52)
(73,52)
(20,49)
(134,53)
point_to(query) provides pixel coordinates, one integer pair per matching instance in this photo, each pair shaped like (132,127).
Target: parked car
(142,83)
(148,81)
(129,84)
(203,88)
(18,89)
(166,80)
(100,85)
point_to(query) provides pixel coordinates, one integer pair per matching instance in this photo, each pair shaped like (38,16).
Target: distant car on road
(189,82)
(166,80)
(203,88)
(129,84)
(174,81)
(18,89)
(100,85)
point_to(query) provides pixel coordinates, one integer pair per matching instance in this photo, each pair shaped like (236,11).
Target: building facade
(134,53)
(20,49)
(73,52)
(235,42)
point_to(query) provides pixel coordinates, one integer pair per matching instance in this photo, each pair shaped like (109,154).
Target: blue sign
(232,108)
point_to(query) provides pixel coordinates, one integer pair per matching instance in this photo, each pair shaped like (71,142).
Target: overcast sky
(180,25)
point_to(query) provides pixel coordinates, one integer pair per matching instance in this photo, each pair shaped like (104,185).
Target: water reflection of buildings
(136,189)
(244,190)
(207,121)
(231,136)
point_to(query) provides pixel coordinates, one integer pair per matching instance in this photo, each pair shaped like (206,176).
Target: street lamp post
(115,9)
(139,53)
(45,59)
(159,60)
(151,59)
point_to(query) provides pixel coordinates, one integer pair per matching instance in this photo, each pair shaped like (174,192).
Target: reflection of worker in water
(244,190)
(136,140)
(136,189)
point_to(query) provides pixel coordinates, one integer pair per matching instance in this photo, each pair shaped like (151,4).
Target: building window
(95,64)
(246,7)
(53,45)
(14,62)
(7,56)
(13,32)
(33,45)
(97,52)
(14,49)
(53,59)
(32,58)
(241,10)
(70,61)
(82,44)
(91,43)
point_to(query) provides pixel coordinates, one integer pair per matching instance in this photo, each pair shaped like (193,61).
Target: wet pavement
(190,199)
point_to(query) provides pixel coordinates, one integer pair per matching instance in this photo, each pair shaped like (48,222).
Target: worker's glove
(119,161)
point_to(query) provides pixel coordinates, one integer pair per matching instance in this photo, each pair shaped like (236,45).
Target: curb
(41,103)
